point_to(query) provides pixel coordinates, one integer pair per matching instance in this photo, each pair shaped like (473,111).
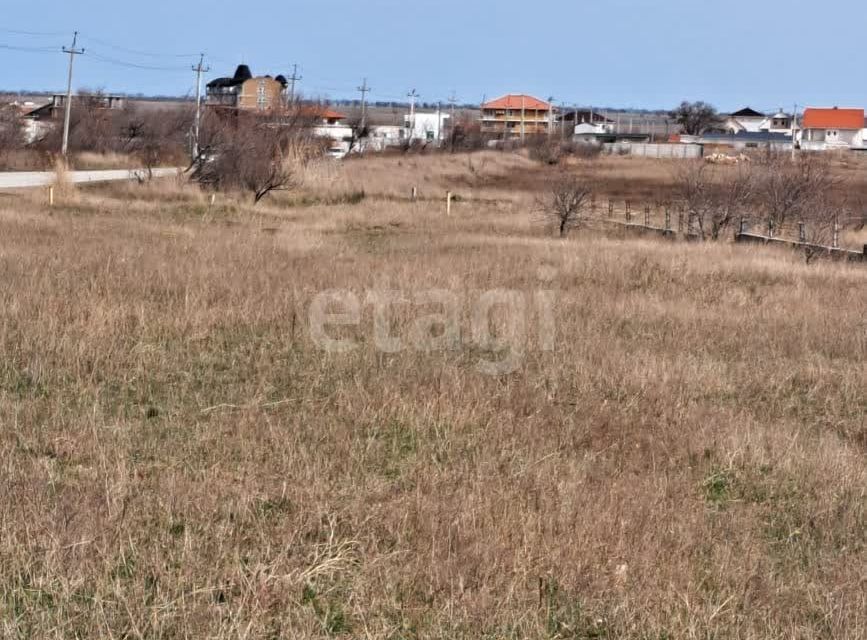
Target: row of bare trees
(771,188)
(714,198)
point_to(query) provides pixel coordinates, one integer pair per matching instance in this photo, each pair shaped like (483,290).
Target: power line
(138,52)
(12,47)
(133,65)
(46,34)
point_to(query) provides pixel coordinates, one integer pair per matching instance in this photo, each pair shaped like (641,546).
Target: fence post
(51,195)
(628,211)
(742,226)
(610,209)
(448,203)
(836,243)
(770,228)
(646,215)
(680,221)
(414,194)
(802,232)
(667,219)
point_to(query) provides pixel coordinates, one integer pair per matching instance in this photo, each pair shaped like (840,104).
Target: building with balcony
(245,92)
(516,116)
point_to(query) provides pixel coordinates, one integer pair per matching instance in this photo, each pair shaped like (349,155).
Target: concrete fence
(672,222)
(648,150)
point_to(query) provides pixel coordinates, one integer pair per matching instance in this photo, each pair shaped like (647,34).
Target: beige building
(246,92)
(516,115)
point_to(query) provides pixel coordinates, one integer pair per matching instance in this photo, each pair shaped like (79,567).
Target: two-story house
(516,116)
(749,120)
(245,92)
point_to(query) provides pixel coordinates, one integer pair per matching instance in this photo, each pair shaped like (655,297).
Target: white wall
(426,126)
(672,151)
(752,125)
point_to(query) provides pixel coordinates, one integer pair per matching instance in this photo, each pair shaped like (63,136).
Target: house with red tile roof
(517,115)
(833,128)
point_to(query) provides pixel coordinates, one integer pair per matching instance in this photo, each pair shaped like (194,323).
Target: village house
(516,115)
(749,120)
(833,128)
(424,127)
(575,117)
(245,92)
(54,109)
(329,125)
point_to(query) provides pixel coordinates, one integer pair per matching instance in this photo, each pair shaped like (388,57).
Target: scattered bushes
(152,136)
(256,155)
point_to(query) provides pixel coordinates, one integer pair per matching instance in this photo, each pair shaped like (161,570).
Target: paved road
(25,179)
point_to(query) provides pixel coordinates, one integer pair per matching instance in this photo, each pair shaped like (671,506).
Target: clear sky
(619,53)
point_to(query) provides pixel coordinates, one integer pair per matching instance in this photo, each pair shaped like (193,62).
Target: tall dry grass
(178,459)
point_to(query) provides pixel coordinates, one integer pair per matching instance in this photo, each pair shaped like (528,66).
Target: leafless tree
(153,136)
(11,131)
(788,191)
(256,155)
(714,197)
(359,132)
(566,202)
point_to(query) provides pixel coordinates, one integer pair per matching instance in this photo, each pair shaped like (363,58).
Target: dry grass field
(180,459)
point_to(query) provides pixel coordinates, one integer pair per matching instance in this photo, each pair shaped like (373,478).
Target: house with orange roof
(833,128)
(516,116)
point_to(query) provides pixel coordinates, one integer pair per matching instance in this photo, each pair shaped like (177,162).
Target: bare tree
(789,191)
(695,117)
(359,132)
(11,131)
(713,197)
(566,202)
(154,137)
(256,155)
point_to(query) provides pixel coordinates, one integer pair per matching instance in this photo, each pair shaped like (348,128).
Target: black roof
(242,74)
(748,136)
(747,113)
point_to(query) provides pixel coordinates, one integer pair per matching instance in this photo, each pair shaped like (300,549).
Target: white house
(828,129)
(590,133)
(383,136)
(749,120)
(746,119)
(425,127)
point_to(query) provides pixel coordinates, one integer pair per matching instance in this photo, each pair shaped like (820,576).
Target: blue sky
(622,53)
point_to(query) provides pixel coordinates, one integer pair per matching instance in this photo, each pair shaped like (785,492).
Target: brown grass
(178,459)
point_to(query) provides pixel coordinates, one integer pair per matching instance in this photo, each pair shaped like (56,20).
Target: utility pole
(292,80)
(72,51)
(199,69)
(550,115)
(412,95)
(364,89)
(794,127)
(453,100)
